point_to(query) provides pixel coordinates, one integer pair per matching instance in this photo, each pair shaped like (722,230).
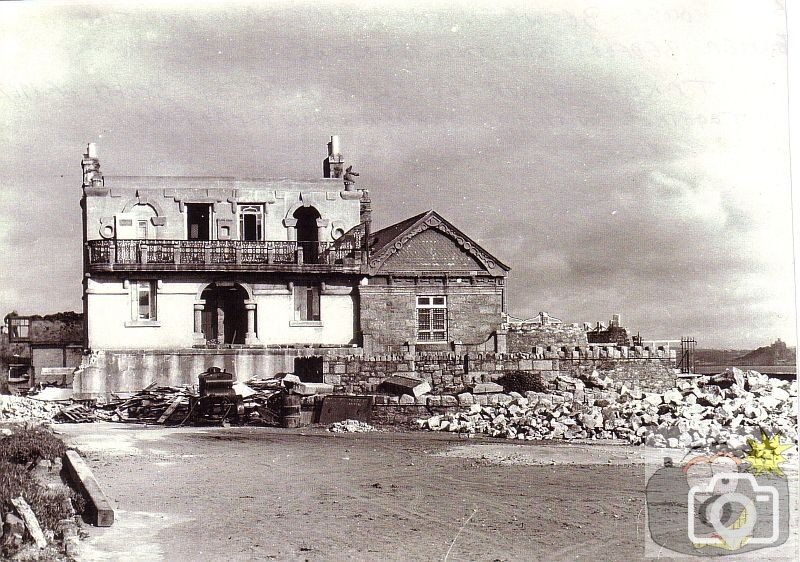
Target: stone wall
(449,373)
(524,340)
(653,375)
(388,313)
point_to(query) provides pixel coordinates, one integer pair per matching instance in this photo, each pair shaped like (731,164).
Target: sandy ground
(261,494)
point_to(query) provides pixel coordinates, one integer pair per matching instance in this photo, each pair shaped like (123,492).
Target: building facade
(183,273)
(53,342)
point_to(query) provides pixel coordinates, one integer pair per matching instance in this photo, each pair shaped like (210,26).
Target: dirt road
(260,494)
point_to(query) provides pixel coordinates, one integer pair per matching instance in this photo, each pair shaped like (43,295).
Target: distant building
(183,273)
(53,341)
(614,333)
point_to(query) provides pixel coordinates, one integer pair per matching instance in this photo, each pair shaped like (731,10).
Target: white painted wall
(110,326)
(109,310)
(276,314)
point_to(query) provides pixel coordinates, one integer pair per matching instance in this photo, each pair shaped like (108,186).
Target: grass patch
(29,446)
(19,454)
(48,505)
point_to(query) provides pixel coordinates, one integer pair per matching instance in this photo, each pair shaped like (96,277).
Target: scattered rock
(700,414)
(350,426)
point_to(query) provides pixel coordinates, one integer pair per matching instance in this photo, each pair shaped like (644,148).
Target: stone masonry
(450,373)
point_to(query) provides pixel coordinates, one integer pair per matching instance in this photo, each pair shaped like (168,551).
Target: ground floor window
(306,303)
(143,300)
(431,319)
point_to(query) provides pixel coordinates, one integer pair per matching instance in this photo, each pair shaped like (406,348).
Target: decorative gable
(428,251)
(428,244)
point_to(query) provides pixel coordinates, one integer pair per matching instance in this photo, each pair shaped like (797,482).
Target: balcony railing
(221,254)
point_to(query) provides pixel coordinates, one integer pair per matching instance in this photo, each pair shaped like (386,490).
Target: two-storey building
(183,273)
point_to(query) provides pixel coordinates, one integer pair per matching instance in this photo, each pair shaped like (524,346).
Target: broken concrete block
(465,399)
(487,388)
(403,384)
(312,388)
(407,400)
(447,400)
(653,399)
(13,531)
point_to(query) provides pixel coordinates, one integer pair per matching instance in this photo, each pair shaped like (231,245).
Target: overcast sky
(622,157)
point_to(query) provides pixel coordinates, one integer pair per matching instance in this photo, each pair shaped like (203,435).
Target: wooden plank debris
(171,409)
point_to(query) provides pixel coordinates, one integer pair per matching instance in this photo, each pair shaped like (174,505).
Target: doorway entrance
(308,233)
(224,315)
(198,221)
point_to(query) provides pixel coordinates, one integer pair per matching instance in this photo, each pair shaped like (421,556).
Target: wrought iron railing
(345,251)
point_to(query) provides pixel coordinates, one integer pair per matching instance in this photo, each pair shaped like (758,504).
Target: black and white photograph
(417,280)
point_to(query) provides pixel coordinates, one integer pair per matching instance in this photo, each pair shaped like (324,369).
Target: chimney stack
(91,167)
(333,165)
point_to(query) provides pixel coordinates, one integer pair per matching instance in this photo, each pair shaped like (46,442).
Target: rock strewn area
(708,411)
(21,409)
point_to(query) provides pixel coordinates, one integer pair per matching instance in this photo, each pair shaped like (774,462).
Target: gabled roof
(380,239)
(390,240)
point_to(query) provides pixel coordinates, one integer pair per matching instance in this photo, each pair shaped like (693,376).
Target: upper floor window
(142,229)
(431,319)
(250,222)
(18,328)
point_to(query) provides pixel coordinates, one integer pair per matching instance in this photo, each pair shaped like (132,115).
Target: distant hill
(776,354)
(719,356)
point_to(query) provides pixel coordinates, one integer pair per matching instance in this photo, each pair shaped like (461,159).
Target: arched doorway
(308,232)
(224,316)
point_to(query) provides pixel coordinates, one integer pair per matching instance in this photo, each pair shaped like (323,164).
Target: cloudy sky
(621,156)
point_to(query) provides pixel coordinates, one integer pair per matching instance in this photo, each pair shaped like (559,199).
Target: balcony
(343,256)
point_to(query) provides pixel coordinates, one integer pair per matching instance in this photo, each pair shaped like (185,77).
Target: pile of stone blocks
(350,426)
(695,413)
(19,408)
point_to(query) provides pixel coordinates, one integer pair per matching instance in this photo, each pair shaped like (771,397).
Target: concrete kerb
(82,477)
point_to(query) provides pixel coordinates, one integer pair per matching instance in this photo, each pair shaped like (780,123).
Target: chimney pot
(91,150)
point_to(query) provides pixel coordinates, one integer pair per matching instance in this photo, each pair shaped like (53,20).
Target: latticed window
(431,319)
(18,328)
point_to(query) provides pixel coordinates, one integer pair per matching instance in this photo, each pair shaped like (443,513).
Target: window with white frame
(143,301)
(250,222)
(306,303)
(431,319)
(18,328)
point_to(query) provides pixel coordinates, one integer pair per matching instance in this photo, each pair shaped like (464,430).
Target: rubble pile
(19,409)
(171,404)
(350,426)
(148,405)
(708,411)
